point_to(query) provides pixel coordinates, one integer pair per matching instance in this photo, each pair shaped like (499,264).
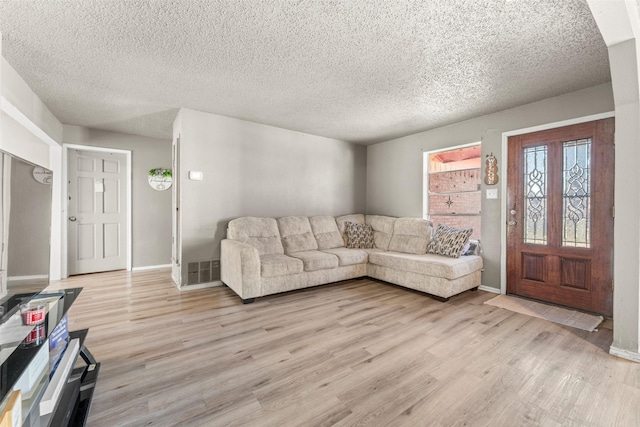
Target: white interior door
(97,213)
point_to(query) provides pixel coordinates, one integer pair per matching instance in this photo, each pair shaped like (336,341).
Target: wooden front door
(560,216)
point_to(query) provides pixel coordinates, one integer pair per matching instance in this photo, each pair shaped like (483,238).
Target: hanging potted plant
(160,178)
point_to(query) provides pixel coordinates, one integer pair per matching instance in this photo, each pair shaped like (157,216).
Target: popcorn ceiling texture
(360,71)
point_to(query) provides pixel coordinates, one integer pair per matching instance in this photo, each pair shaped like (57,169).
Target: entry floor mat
(564,316)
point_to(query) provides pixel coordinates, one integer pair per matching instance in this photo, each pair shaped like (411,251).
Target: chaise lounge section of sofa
(265,256)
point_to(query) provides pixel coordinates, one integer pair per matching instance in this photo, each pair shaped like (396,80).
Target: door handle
(72,218)
(512,223)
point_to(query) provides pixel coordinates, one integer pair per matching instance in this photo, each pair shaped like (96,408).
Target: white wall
(257,170)
(30,131)
(29,225)
(394,168)
(619,25)
(19,141)
(16,91)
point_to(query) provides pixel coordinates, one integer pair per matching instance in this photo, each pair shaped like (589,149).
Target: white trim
(97,149)
(200,286)
(560,124)
(151,267)
(17,115)
(453,147)
(489,289)
(33,277)
(624,354)
(65,199)
(57,213)
(64,237)
(129,209)
(505,149)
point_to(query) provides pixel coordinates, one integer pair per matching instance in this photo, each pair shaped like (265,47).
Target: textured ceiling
(361,71)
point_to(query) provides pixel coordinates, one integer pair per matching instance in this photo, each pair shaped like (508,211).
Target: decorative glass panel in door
(535,195)
(576,197)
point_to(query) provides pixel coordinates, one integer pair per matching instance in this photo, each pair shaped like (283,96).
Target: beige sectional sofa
(264,256)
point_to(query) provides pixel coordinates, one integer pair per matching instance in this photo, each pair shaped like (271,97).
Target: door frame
(503,186)
(65,200)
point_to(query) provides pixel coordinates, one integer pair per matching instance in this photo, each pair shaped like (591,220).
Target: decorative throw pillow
(449,241)
(359,236)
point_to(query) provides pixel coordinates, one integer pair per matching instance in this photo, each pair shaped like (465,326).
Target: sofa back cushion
(325,230)
(296,234)
(341,221)
(410,235)
(382,229)
(261,233)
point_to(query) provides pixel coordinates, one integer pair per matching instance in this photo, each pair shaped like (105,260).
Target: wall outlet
(492,193)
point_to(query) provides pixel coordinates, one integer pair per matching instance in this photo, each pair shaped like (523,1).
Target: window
(452,180)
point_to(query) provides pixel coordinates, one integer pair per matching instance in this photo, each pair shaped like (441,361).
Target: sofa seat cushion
(325,229)
(428,264)
(369,251)
(316,260)
(279,265)
(348,256)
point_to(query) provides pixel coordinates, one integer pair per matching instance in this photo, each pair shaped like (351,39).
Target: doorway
(560,215)
(98,218)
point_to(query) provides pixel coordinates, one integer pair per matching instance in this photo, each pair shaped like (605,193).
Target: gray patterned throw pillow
(359,236)
(449,241)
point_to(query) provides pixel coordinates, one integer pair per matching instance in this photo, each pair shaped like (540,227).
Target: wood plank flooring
(360,352)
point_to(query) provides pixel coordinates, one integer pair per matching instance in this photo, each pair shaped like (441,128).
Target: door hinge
(613,285)
(613,211)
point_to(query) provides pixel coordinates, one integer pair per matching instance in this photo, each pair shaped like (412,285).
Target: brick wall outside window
(446,182)
(455,199)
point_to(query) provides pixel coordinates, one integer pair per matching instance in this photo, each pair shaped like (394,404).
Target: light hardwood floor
(360,352)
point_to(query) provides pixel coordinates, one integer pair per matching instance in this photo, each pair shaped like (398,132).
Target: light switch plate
(492,193)
(195,175)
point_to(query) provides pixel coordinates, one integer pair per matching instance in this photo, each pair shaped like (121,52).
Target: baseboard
(20,278)
(200,286)
(489,289)
(624,354)
(151,267)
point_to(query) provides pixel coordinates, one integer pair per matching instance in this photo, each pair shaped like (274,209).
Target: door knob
(72,218)
(512,223)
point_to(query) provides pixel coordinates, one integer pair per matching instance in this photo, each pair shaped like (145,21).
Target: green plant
(163,172)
